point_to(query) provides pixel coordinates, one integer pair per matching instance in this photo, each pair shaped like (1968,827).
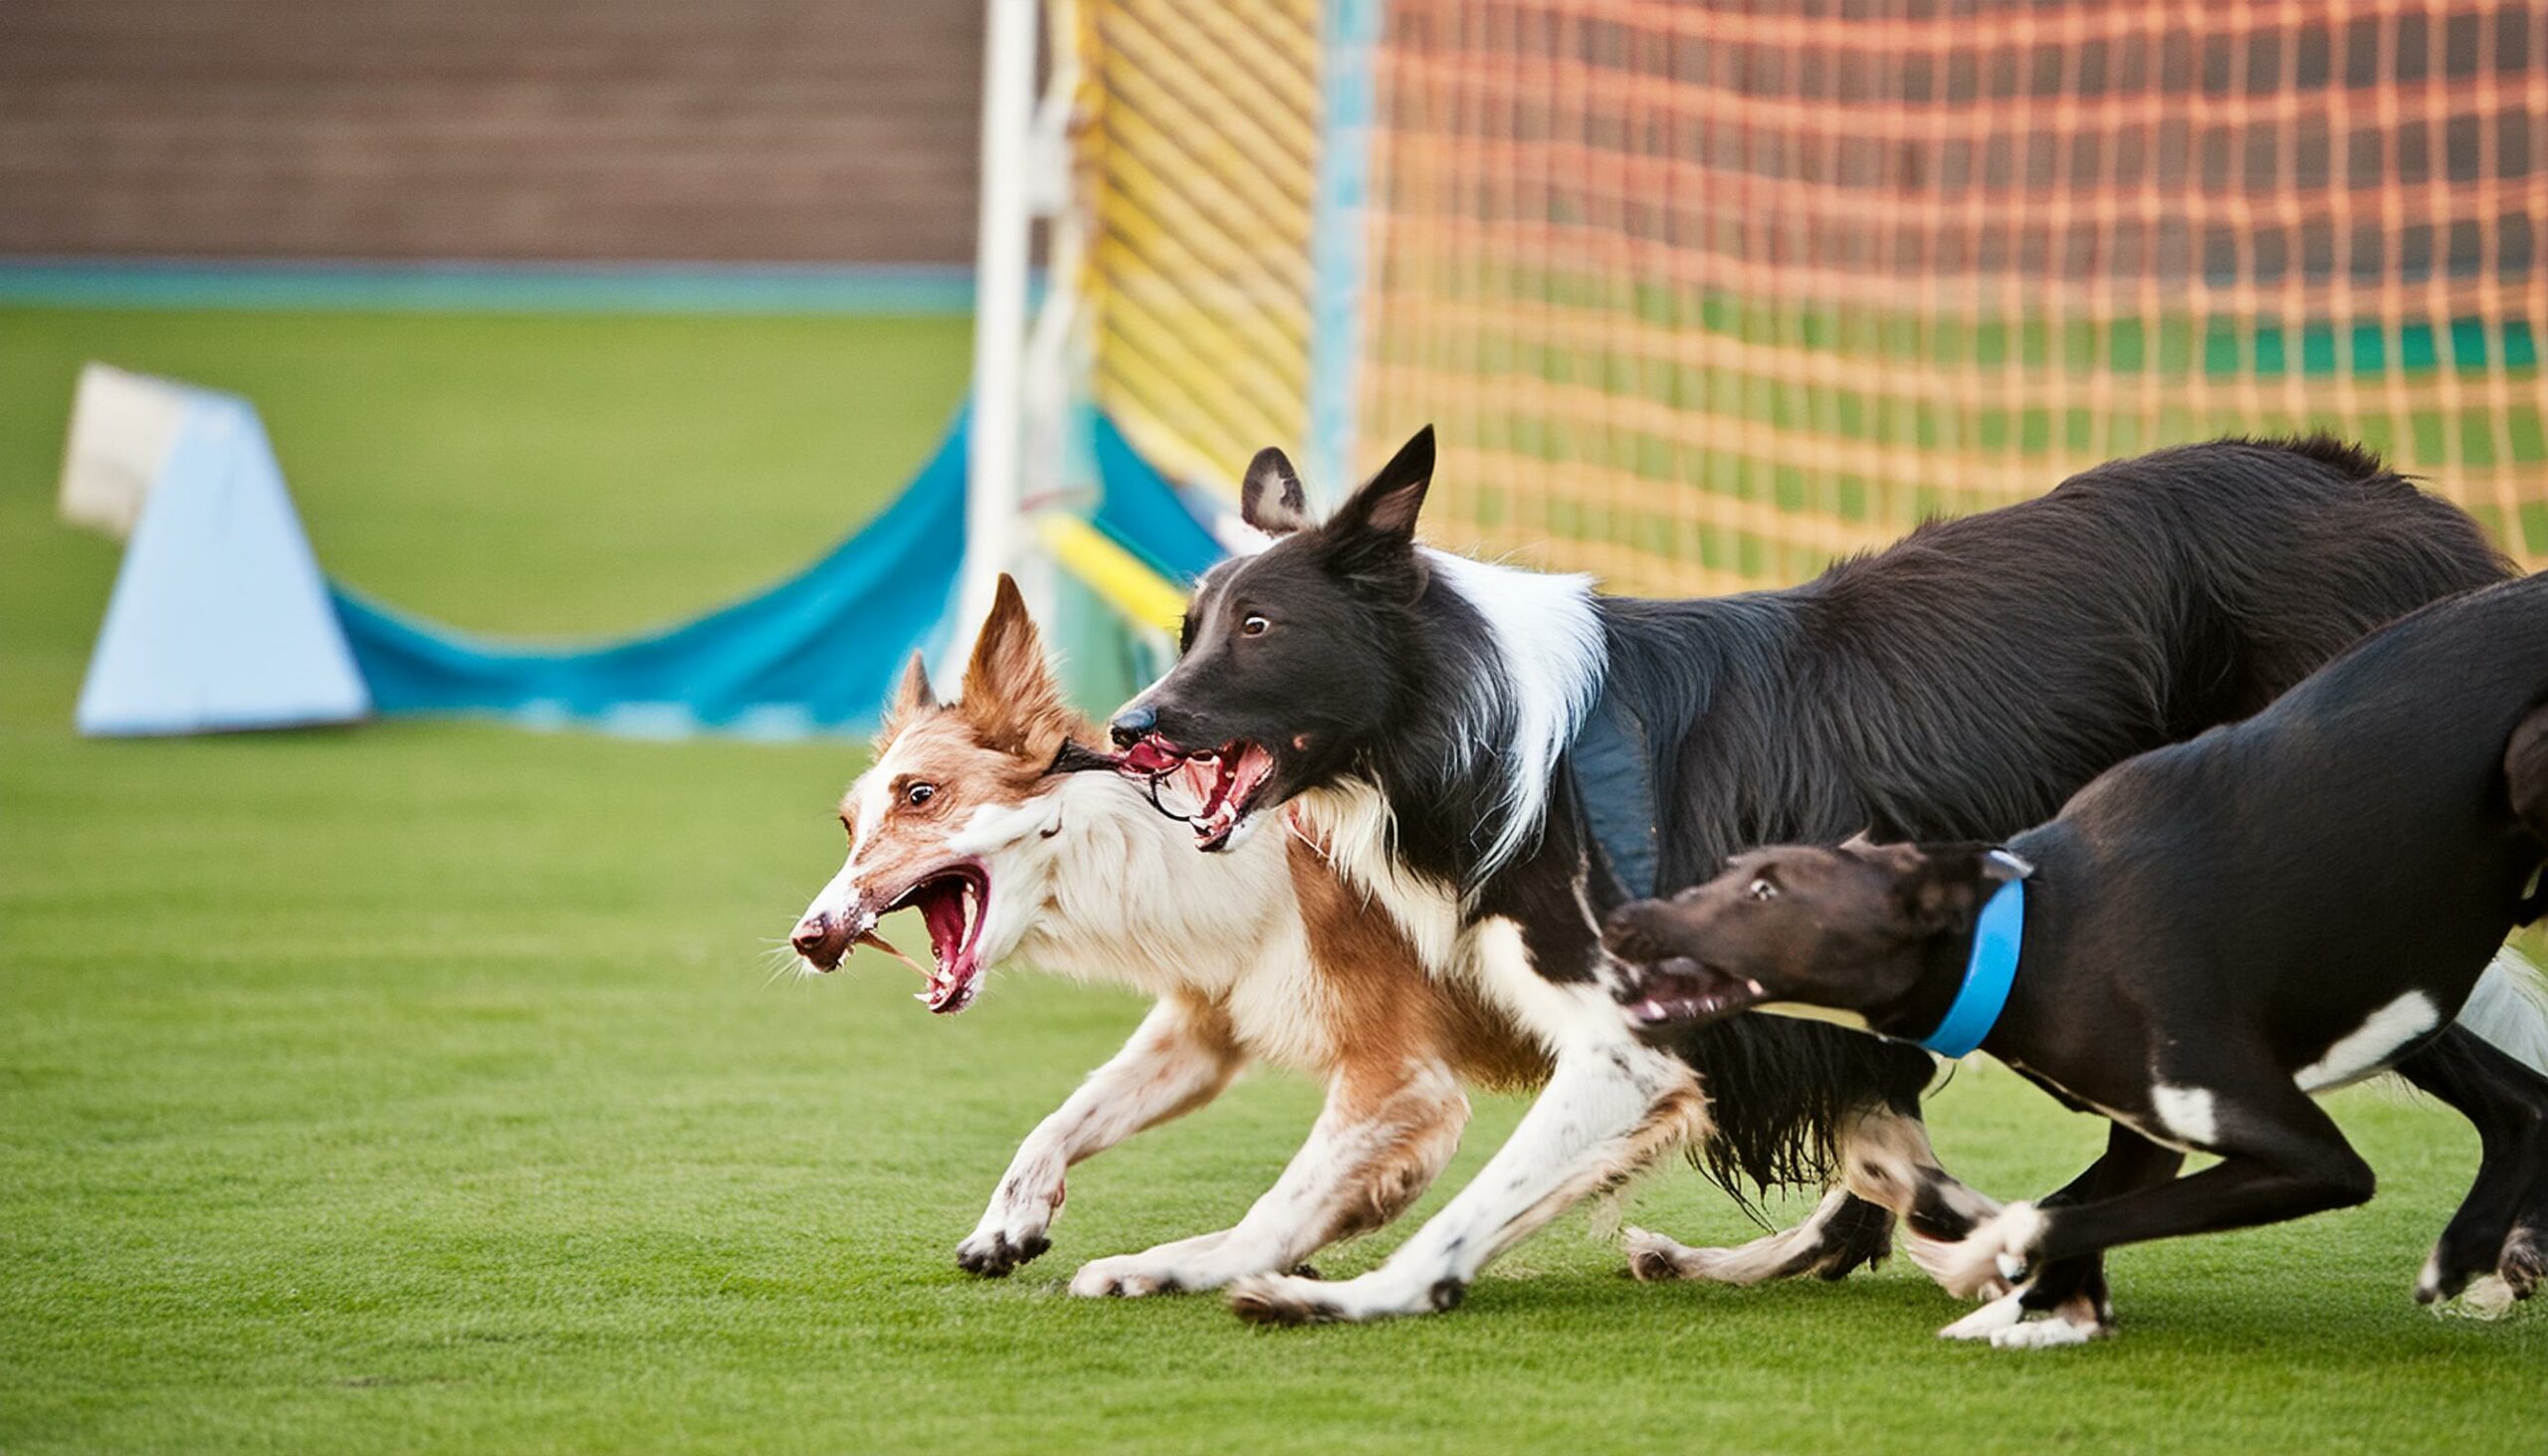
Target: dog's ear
(1943,891)
(1011,695)
(1388,503)
(1271,499)
(911,696)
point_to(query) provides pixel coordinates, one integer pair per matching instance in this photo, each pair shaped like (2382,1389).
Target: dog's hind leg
(1613,1105)
(2072,1294)
(1375,1148)
(1886,1160)
(2283,1157)
(1887,1171)
(2499,1234)
(1805,1249)
(1181,1058)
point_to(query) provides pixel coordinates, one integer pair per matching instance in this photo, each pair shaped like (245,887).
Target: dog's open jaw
(952,902)
(1681,991)
(1214,790)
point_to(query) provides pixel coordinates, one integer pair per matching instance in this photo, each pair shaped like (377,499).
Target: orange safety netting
(1702,293)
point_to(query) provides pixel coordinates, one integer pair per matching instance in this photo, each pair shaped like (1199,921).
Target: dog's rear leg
(2072,1293)
(1181,1058)
(1611,1105)
(2281,1157)
(2500,1231)
(1375,1148)
(1887,1171)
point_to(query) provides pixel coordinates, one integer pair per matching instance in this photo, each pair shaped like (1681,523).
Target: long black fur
(1957,685)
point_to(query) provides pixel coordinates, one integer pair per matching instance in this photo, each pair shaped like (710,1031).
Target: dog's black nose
(1132,725)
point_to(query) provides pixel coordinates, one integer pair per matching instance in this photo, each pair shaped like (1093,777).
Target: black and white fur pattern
(1419,708)
(2216,933)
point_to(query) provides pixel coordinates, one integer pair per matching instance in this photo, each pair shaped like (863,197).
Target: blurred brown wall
(709,130)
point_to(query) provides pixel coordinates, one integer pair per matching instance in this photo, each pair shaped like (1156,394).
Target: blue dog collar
(1997,934)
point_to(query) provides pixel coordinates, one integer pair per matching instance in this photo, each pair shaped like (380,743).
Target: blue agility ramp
(814,654)
(221,620)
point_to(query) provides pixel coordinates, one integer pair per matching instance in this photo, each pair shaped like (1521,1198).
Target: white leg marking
(1362,1164)
(1653,1257)
(2186,1112)
(1178,1059)
(2366,1050)
(2001,1248)
(1612,1105)
(2004,1322)
(1990,1320)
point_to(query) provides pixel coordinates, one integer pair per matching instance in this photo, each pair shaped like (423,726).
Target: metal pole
(992,530)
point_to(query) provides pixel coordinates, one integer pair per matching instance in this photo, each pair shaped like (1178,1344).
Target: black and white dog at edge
(1497,758)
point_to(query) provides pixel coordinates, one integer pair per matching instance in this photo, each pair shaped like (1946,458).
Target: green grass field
(420,1087)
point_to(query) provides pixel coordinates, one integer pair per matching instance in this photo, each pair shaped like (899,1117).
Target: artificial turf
(422,1087)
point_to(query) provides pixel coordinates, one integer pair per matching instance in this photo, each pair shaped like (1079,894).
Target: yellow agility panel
(1198,140)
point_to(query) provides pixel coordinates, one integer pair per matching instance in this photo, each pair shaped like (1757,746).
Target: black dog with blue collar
(2208,936)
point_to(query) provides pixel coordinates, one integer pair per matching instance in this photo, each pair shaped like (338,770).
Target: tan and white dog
(1257,954)
(1270,950)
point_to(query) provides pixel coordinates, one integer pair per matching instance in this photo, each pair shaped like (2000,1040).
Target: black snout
(1132,725)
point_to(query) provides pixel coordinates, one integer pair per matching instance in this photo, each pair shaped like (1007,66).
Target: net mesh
(1700,295)
(1198,145)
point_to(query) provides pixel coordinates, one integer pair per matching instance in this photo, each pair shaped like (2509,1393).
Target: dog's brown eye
(1254,626)
(918,794)
(1762,889)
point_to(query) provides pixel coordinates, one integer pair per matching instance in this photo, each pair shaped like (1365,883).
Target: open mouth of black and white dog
(1214,790)
(952,903)
(1681,991)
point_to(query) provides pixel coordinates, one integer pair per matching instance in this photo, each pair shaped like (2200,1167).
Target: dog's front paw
(1996,1257)
(2005,1324)
(995,1253)
(1300,1299)
(1133,1276)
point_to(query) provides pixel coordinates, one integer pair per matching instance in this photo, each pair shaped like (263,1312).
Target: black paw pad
(1446,1294)
(1002,1256)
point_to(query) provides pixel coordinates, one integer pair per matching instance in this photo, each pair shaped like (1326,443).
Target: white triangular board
(220,619)
(121,425)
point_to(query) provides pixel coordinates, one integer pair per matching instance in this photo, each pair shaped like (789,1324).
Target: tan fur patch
(1388,1011)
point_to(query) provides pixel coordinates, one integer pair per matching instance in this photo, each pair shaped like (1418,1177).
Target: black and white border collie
(1498,756)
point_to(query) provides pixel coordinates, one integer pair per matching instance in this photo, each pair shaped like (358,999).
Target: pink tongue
(1146,757)
(944,912)
(1254,763)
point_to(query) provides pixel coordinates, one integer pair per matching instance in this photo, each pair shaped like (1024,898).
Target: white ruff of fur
(1118,894)
(1548,639)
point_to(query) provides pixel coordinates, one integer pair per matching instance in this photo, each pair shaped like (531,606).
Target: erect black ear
(1387,502)
(1271,499)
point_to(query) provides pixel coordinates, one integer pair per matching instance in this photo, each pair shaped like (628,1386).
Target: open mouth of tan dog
(952,903)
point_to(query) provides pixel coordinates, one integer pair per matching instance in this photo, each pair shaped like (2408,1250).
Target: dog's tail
(2509,1009)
